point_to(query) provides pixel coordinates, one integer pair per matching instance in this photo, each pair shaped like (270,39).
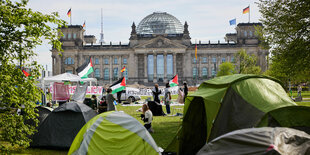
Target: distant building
(159,47)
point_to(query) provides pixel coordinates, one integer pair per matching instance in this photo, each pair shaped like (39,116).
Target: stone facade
(145,54)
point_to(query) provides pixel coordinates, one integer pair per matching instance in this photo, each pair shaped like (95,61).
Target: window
(64,35)
(96,61)
(69,35)
(194,72)
(115,73)
(204,60)
(106,61)
(125,60)
(194,60)
(214,59)
(69,61)
(232,59)
(97,73)
(69,71)
(160,68)
(213,72)
(251,33)
(169,66)
(245,33)
(74,35)
(150,68)
(204,73)
(223,60)
(106,74)
(125,74)
(115,61)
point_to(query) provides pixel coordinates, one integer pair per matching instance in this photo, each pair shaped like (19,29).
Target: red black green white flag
(26,74)
(118,85)
(84,70)
(174,81)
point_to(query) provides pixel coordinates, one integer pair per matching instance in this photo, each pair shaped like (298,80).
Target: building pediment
(160,42)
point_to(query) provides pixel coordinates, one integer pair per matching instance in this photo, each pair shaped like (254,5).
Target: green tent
(113,133)
(233,102)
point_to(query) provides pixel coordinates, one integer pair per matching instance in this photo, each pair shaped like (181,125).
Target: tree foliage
(247,64)
(21,30)
(226,68)
(287,30)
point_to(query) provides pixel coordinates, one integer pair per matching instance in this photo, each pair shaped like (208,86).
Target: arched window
(204,60)
(106,74)
(115,73)
(232,59)
(125,74)
(194,60)
(115,60)
(213,72)
(106,61)
(251,33)
(97,73)
(205,73)
(96,61)
(245,34)
(223,59)
(214,60)
(194,72)
(125,60)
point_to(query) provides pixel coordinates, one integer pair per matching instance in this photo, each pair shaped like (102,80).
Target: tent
(43,113)
(264,140)
(67,77)
(229,103)
(113,133)
(61,125)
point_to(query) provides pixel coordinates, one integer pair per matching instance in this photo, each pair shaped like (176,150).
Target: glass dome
(160,23)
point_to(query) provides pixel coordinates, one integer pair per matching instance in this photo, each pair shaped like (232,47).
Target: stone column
(155,67)
(165,67)
(145,68)
(174,63)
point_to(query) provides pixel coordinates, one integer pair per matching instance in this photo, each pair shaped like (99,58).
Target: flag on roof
(69,13)
(26,74)
(84,70)
(84,24)
(174,81)
(246,10)
(196,51)
(232,22)
(118,85)
(123,69)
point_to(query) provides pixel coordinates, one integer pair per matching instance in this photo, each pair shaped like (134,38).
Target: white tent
(66,77)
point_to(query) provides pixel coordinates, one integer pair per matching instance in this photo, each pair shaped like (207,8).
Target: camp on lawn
(113,133)
(234,102)
(265,140)
(61,126)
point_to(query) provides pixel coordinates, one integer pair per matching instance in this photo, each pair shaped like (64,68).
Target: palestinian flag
(26,74)
(174,81)
(84,70)
(118,85)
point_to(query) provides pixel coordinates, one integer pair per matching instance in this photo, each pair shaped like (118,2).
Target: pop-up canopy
(67,77)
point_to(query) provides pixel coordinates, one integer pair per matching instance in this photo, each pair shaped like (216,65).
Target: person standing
(156,92)
(110,100)
(167,98)
(119,94)
(299,89)
(180,96)
(185,91)
(147,118)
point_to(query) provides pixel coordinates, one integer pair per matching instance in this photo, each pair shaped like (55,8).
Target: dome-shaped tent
(61,125)
(113,133)
(264,140)
(229,103)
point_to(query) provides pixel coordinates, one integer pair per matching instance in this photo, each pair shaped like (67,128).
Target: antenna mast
(101,41)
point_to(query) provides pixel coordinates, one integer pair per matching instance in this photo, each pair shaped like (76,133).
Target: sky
(207,19)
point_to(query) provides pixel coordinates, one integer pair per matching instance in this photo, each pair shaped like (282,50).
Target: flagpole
(249,13)
(196,62)
(71,17)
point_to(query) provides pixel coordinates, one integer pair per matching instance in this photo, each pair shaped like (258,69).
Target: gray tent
(265,140)
(61,125)
(43,113)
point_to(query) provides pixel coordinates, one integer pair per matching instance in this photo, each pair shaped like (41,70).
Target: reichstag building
(159,47)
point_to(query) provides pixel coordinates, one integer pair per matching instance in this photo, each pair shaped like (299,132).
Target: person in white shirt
(147,118)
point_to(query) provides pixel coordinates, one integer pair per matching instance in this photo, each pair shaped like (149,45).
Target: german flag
(84,24)
(69,13)
(123,69)
(246,10)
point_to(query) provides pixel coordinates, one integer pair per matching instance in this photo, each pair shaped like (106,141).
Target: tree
(226,68)
(247,63)
(21,30)
(287,30)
